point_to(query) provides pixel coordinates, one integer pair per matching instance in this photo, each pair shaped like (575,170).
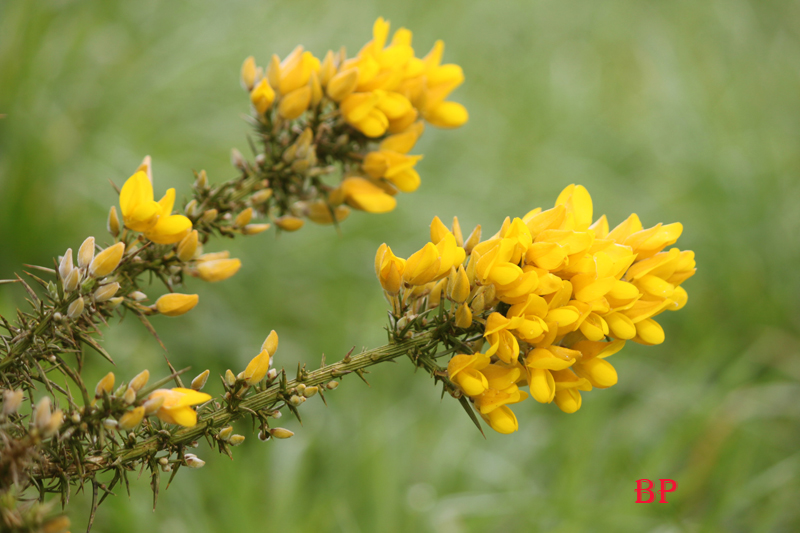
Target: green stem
(225,416)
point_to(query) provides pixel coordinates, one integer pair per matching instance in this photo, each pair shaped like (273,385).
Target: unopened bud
(176,304)
(56,419)
(281,433)
(86,253)
(270,344)
(41,413)
(75,308)
(310,391)
(261,196)
(192,461)
(301,387)
(65,266)
(331,385)
(152,405)
(202,180)
(478,303)
(12,399)
(237,159)
(463,316)
(106,261)
(255,229)
(289,223)
(276,414)
(75,417)
(243,218)
(225,433)
(264,435)
(200,381)
(296,400)
(188,246)
(473,239)
(105,385)
(73,280)
(140,380)
(137,296)
(261,160)
(59,524)
(272,374)
(113,222)
(230,378)
(130,396)
(209,215)
(106,292)
(132,418)
(236,440)
(110,423)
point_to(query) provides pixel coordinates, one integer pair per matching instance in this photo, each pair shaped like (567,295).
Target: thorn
(361,373)
(347,357)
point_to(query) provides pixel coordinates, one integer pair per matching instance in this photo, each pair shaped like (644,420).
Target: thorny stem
(225,415)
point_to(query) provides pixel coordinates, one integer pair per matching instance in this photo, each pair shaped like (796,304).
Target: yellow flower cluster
(141,213)
(383,94)
(553,293)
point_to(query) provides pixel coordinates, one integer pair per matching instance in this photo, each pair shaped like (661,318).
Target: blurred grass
(679,110)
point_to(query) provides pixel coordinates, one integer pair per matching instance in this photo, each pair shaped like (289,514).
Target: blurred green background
(680,111)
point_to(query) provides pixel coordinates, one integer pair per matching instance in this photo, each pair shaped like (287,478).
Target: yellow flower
(175,304)
(395,167)
(141,213)
(389,269)
(176,407)
(262,96)
(131,418)
(362,194)
(289,223)
(218,269)
(464,371)
(321,212)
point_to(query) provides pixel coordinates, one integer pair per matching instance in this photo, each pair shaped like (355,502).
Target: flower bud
(202,180)
(86,252)
(132,418)
(191,208)
(200,381)
(137,296)
(12,399)
(478,303)
(296,400)
(261,196)
(463,316)
(218,269)
(458,287)
(110,423)
(188,246)
(293,105)
(130,395)
(209,215)
(225,433)
(255,229)
(55,421)
(248,76)
(75,309)
(289,223)
(153,404)
(262,97)
(256,369)
(473,239)
(105,385)
(457,232)
(113,222)
(237,159)
(264,436)
(342,84)
(271,343)
(192,461)
(176,304)
(310,391)
(243,218)
(331,385)
(59,524)
(106,292)
(41,413)
(73,280)
(113,303)
(106,261)
(65,266)
(272,374)
(236,440)
(230,379)
(281,433)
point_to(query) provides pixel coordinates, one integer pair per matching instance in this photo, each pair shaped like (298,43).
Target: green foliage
(680,111)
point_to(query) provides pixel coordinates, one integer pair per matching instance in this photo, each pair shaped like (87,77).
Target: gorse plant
(542,303)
